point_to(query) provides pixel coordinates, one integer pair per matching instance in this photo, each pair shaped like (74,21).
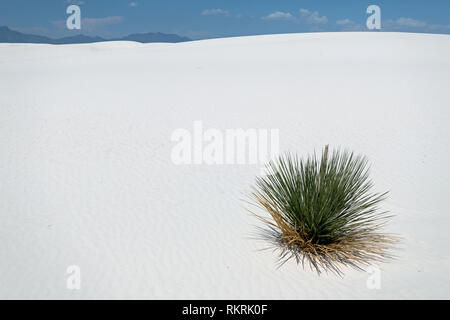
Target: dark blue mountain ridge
(10,36)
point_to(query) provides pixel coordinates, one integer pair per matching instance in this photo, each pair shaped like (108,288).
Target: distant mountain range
(10,36)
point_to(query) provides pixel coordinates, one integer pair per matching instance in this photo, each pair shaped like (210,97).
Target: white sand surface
(86,176)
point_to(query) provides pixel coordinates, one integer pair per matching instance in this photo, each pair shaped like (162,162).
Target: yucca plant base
(322,213)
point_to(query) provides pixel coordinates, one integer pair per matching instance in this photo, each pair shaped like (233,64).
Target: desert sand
(86,176)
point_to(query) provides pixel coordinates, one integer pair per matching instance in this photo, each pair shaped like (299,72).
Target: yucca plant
(322,211)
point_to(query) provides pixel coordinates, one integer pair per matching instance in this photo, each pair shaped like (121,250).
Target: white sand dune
(86,176)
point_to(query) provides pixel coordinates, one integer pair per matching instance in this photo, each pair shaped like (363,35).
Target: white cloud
(312,17)
(133,4)
(344,22)
(403,24)
(350,25)
(214,12)
(278,15)
(304,12)
(408,22)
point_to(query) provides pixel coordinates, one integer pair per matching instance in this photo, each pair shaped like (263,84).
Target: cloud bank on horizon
(212,18)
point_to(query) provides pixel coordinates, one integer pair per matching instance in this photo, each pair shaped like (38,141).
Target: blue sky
(222,18)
